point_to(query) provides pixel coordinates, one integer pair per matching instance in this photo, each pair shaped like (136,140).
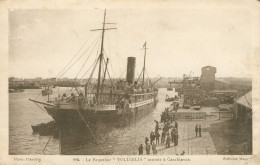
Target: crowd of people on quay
(168,135)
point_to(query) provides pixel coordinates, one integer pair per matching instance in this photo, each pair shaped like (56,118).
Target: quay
(219,136)
(222,112)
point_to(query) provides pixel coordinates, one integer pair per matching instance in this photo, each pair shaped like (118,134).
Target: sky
(42,42)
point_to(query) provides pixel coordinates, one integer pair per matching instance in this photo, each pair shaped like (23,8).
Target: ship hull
(80,128)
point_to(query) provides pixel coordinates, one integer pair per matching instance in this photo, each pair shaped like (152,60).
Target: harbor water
(23,114)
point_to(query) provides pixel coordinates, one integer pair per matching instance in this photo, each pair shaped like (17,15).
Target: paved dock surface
(222,137)
(188,142)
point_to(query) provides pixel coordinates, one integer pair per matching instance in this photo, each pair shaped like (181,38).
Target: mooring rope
(46,144)
(40,107)
(91,132)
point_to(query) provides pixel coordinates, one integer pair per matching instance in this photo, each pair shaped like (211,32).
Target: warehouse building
(243,109)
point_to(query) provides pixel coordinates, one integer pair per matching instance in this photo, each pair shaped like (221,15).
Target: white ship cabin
(110,95)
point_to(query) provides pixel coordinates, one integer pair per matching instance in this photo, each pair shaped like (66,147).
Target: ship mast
(144,60)
(104,76)
(101,56)
(101,53)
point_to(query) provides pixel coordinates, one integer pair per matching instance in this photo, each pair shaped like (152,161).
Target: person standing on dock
(176,138)
(156,127)
(147,148)
(163,137)
(176,130)
(168,141)
(164,116)
(152,137)
(161,117)
(154,148)
(157,136)
(196,130)
(140,149)
(176,125)
(199,129)
(173,134)
(146,140)
(166,128)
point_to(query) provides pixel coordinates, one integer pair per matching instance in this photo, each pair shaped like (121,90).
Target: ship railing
(53,99)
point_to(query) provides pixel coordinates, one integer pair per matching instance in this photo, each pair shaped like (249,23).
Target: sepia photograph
(87,82)
(125,81)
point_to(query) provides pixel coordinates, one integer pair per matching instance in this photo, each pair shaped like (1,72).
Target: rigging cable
(87,58)
(89,67)
(82,67)
(109,76)
(93,69)
(68,91)
(140,74)
(46,144)
(75,54)
(41,108)
(91,132)
(37,96)
(95,62)
(78,58)
(109,55)
(110,79)
(97,57)
(147,76)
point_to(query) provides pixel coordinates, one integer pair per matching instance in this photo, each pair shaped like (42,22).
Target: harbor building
(243,109)
(207,80)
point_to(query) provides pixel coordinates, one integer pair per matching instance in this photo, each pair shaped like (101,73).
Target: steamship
(87,116)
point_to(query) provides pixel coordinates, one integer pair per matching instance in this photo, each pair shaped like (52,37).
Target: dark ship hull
(80,128)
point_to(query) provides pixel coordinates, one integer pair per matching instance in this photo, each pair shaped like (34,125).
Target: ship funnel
(130,75)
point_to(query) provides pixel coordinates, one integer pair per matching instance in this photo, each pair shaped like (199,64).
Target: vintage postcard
(129,82)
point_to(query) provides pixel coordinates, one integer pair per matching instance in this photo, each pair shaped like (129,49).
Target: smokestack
(130,75)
